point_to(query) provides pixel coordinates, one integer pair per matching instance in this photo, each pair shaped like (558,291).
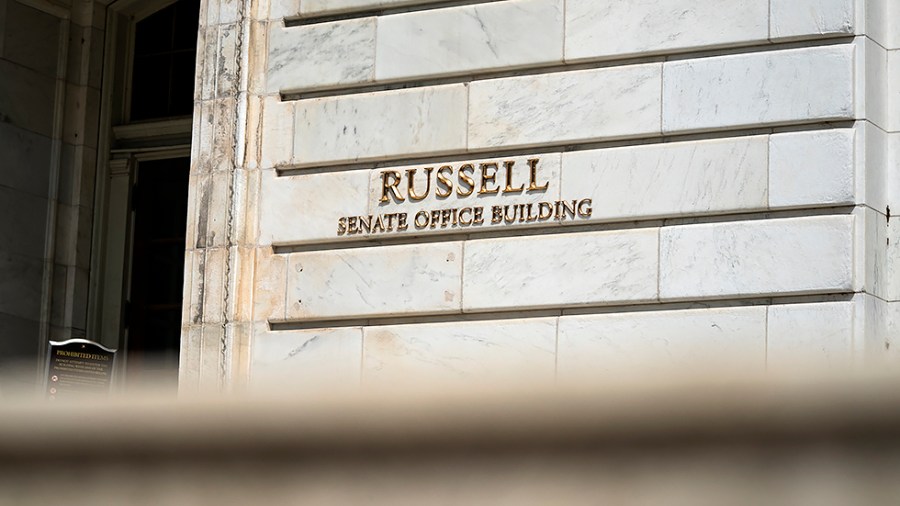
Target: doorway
(153,321)
(149,82)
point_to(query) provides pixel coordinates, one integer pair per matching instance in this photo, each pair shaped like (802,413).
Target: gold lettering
(435,217)
(479,216)
(496,214)
(568,209)
(401,222)
(445,217)
(533,187)
(444,185)
(585,208)
(466,179)
(488,178)
(365,224)
(390,187)
(463,220)
(509,177)
(545,211)
(424,216)
(342,226)
(378,225)
(411,183)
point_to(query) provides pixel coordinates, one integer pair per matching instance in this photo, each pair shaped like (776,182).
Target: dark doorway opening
(160,96)
(159,202)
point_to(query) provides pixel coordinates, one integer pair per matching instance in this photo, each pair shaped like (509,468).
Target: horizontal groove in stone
(814,41)
(569,147)
(425,319)
(326,17)
(557,229)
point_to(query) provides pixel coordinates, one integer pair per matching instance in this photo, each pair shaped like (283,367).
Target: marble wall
(50,68)
(552,188)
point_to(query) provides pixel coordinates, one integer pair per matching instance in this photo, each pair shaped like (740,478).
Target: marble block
(475,37)
(277,140)
(580,269)
(379,281)
(269,285)
(788,86)
(873,166)
(757,258)
(810,335)
(565,107)
(27,98)
(812,168)
(643,343)
(796,18)
(320,55)
(695,177)
(305,208)
(607,28)
(26,160)
(504,350)
(893,79)
(873,82)
(294,360)
(347,129)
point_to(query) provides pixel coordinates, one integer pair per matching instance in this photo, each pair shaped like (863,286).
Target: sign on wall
(79,368)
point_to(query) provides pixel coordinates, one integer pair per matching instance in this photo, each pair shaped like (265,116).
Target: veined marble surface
(469,351)
(781,256)
(810,335)
(294,208)
(391,123)
(612,28)
(794,18)
(794,85)
(568,106)
(670,179)
(378,281)
(506,34)
(812,167)
(320,55)
(740,174)
(277,142)
(305,360)
(573,269)
(597,345)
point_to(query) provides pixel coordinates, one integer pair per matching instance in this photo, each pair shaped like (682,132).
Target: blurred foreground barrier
(686,443)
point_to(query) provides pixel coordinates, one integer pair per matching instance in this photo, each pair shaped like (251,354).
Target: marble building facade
(382,190)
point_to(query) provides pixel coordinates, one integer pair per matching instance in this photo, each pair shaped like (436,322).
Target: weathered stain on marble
(320,55)
(305,360)
(380,124)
